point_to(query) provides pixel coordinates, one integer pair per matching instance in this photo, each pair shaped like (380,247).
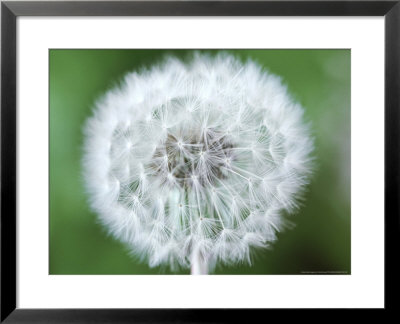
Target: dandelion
(192,164)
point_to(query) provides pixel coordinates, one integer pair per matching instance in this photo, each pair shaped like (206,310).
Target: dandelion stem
(199,265)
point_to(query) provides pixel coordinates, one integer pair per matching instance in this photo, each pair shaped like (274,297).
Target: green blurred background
(320,241)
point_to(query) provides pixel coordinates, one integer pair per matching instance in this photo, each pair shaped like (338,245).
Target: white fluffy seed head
(198,156)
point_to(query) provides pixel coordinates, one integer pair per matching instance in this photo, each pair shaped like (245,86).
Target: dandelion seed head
(203,155)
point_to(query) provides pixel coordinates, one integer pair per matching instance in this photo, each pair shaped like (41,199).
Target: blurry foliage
(320,240)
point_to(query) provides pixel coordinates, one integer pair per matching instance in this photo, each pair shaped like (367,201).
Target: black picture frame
(11,10)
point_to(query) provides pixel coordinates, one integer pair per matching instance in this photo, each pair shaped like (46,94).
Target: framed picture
(197,161)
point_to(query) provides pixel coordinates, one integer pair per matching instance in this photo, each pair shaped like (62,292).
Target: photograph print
(196,162)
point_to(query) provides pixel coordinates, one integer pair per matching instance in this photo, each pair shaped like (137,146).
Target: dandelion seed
(192,164)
